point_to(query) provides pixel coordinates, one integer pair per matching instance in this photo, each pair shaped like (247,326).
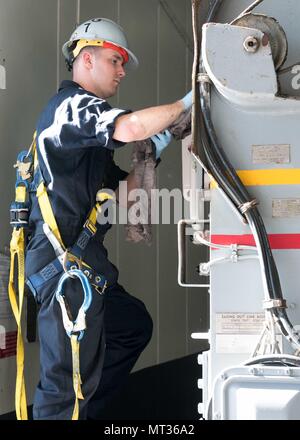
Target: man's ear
(87,59)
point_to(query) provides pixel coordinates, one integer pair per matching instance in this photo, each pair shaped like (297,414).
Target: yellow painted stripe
(287,176)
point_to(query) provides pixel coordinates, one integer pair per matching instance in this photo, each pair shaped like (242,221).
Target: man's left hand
(161,141)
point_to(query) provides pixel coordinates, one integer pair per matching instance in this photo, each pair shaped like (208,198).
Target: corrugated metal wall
(31,35)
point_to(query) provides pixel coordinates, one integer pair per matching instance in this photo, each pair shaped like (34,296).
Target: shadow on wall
(166,391)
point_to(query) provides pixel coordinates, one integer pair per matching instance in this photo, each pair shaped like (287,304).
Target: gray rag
(144,165)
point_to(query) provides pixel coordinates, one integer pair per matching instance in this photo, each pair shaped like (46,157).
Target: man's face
(107,72)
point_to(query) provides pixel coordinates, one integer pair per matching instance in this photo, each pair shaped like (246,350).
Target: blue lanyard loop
(79,325)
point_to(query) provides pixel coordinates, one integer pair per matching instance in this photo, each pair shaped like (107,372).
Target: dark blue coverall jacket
(75,151)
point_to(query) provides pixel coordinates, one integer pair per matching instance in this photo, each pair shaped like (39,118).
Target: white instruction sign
(239,323)
(285,208)
(238,332)
(271,154)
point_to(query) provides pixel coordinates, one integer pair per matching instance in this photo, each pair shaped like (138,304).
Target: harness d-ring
(79,324)
(65,261)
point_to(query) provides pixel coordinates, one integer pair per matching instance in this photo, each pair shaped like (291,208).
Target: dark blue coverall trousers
(75,151)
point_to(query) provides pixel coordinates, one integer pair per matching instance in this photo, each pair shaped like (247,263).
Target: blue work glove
(187,100)
(161,141)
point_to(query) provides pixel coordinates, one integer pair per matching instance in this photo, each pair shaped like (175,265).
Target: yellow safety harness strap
(47,212)
(75,344)
(43,198)
(17,252)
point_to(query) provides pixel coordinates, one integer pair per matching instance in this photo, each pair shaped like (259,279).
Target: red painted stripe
(7,353)
(10,344)
(277,241)
(11,338)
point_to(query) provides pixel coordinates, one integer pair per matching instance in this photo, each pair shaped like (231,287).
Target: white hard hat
(98,32)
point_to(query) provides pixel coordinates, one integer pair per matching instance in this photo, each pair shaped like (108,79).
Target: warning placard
(239,323)
(285,208)
(239,332)
(271,154)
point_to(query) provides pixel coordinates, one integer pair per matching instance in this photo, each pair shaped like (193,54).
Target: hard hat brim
(132,63)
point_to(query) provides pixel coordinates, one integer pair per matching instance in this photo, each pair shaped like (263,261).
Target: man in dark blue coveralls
(77,134)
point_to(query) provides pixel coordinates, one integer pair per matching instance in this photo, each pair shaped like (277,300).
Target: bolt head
(251,44)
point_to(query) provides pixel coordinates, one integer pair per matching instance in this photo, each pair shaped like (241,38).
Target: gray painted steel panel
(288,20)
(237,287)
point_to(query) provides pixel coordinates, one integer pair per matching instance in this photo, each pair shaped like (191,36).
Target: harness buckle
(19,214)
(100,290)
(90,226)
(70,264)
(24,169)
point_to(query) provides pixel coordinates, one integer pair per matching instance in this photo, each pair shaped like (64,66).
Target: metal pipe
(195,106)
(182,254)
(249,9)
